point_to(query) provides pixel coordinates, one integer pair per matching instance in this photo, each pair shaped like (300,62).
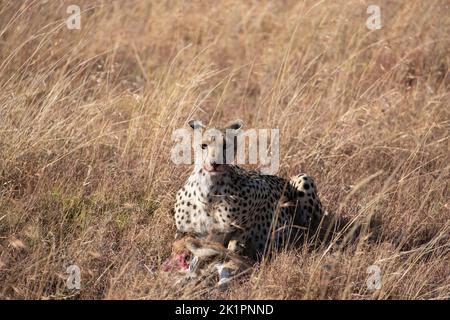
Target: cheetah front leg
(231,238)
(233,241)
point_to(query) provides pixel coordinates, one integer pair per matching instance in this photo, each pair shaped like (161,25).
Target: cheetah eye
(204,146)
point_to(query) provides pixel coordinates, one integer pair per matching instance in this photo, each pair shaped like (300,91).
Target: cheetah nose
(212,167)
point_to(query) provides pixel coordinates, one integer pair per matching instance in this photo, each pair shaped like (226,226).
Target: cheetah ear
(235,125)
(196,124)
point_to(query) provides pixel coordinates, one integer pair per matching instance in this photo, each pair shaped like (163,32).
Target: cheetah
(248,212)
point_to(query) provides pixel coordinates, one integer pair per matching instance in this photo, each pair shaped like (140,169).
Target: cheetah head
(218,145)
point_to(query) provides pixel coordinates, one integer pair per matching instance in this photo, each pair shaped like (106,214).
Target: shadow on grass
(333,230)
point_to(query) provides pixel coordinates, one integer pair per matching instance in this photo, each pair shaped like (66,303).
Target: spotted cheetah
(245,210)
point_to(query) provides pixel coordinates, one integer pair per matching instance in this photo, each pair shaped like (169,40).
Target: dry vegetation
(86,118)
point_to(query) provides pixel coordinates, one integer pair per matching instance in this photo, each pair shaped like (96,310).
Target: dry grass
(86,118)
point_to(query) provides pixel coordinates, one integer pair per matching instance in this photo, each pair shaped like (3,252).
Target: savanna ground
(86,118)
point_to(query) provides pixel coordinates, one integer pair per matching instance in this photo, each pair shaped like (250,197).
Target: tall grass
(86,118)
